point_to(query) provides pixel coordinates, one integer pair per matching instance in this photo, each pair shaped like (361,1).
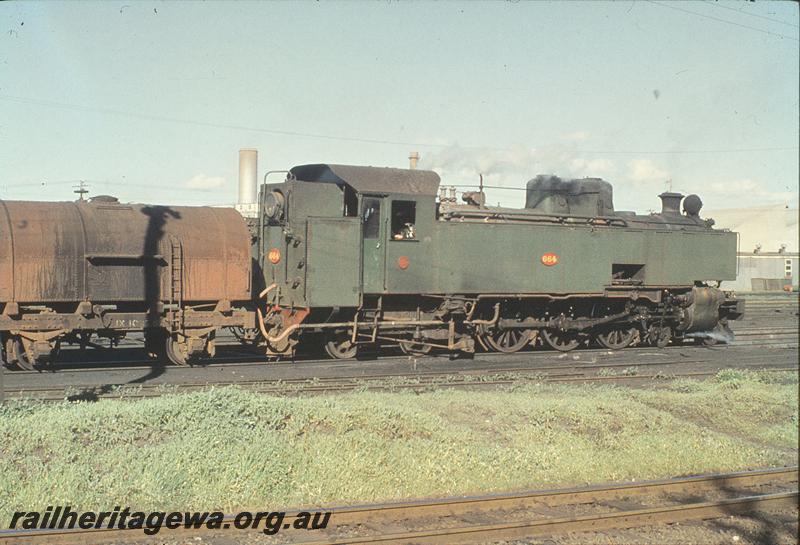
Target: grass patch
(227,448)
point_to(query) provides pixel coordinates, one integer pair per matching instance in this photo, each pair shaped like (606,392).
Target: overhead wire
(673,6)
(717,4)
(97,183)
(151,117)
(278,132)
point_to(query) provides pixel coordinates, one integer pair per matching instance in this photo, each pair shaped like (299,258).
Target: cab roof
(371,179)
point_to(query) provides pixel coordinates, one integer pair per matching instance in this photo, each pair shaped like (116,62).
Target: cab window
(404,217)
(371,217)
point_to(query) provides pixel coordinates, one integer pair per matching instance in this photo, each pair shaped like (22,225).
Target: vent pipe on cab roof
(413,158)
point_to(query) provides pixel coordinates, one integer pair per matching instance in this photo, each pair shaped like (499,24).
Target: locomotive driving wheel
(664,336)
(340,346)
(616,338)
(659,336)
(507,341)
(412,348)
(563,341)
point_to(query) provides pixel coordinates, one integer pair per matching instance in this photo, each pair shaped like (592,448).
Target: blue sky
(151,101)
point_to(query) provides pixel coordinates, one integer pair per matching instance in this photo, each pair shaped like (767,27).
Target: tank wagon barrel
(73,269)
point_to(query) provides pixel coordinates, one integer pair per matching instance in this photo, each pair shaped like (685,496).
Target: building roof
(769,226)
(372,179)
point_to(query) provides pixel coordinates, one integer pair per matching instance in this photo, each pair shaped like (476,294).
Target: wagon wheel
(616,338)
(7,352)
(341,347)
(176,351)
(563,341)
(21,357)
(415,349)
(507,341)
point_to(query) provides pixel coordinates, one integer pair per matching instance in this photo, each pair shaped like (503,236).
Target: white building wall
(765,272)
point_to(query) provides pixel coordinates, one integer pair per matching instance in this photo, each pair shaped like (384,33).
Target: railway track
(516,515)
(626,371)
(767,336)
(390,370)
(501,508)
(777,327)
(761,336)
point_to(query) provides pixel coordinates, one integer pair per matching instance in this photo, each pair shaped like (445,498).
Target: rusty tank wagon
(356,257)
(71,270)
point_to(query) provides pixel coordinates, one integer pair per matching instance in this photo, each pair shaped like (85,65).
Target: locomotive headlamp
(273,205)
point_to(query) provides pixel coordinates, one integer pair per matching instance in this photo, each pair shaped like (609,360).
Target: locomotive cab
(333,234)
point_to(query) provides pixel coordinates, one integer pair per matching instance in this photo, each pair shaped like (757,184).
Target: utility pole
(81,189)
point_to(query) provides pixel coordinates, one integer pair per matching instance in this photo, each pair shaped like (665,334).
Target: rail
(478,379)
(422,515)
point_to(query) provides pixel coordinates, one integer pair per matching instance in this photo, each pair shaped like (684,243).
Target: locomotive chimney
(671,203)
(248,176)
(413,157)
